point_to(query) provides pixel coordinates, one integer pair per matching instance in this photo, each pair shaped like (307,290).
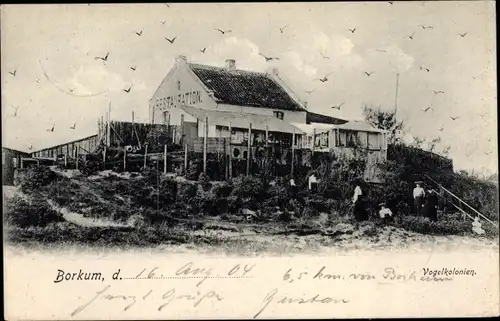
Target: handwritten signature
(166,298)
(271,297)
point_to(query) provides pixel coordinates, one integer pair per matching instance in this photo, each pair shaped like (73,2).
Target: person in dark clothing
(360,213)
(431,201)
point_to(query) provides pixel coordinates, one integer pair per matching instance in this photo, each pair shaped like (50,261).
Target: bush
(186,192)
(223,190)
(37,177)
(442,227)
(204,181)
(249,187)
(37,213)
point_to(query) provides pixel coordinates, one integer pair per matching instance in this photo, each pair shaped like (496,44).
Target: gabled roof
(245,88)
(324,119)
(242,120)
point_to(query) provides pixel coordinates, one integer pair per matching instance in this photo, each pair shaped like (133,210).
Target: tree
(385,120)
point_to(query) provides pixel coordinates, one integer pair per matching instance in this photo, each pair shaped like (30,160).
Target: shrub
(442,227)
(223,190)
(249,187)
(204,181)
(193,171)
(37,177)
(37,213)
(186,192)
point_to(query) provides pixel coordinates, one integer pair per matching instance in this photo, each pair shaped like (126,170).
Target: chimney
(230,64)
(180,59)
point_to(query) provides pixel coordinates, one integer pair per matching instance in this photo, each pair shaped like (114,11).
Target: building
(228,103)
(11,161)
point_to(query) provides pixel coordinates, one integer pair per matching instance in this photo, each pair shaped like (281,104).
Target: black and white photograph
(253,130)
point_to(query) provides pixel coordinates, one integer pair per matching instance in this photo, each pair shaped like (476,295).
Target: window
(375,141)
(278,114)
(245,154)
(236,152)
(178,85)
(166,117)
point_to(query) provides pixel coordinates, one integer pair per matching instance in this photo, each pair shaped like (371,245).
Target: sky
(445,47)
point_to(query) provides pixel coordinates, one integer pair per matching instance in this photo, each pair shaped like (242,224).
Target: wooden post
(226,165)
(205,145)
(249,153)
(181,140)
(132,128)
(145,155)
(267,137)
(104,158)
(65,160)
(293,152)
(21,162)
(165,159)
(218,143)
(185,159)
(230,152)
(76,157)
(124,159)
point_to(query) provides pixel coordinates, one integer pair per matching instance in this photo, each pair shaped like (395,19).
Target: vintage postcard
(250,160)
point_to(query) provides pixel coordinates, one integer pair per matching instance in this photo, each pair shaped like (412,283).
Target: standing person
(418,197)
(313,183)
(360,213)
(431,201)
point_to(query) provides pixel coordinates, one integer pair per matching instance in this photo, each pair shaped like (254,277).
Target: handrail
(458,198)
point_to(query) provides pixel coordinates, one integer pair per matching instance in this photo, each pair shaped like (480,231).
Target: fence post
(226,165)
(76,157)
(65,160)
(181,140)
(185,159)
(293,152)
(104,158)
(230,152)
(205,145)
(249,153)
(145,155)
(124,159)
(165,159)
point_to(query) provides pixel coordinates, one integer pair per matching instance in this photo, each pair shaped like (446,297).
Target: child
(385,213)
(476,226)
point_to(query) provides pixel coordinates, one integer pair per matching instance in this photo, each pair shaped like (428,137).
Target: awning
(242,120)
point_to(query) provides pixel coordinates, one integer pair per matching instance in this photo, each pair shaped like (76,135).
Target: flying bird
(310,91)
(127,90)
(390,2)
(411,37)
(13,73)
(269,58)
(338,106)
(441,129)
(424,68)
(163,22)
(51,129)
(167,5)
(324,79)
(104,59)
(282,29)
(324,57)
(203,50)
(380,50)
(438,92)
(454,118)
(30,147)
(223,31)
(426,109)
(74,126)
(133,68)
(139,33)
(171,40)
(426,27)
(462,34)
(15,111)
(352,30)
(368,73)
(487,153)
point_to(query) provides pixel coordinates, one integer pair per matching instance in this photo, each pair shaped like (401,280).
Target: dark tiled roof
(324,119)
(244,88)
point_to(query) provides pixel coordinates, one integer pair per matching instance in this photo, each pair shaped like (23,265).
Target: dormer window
(278,114)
